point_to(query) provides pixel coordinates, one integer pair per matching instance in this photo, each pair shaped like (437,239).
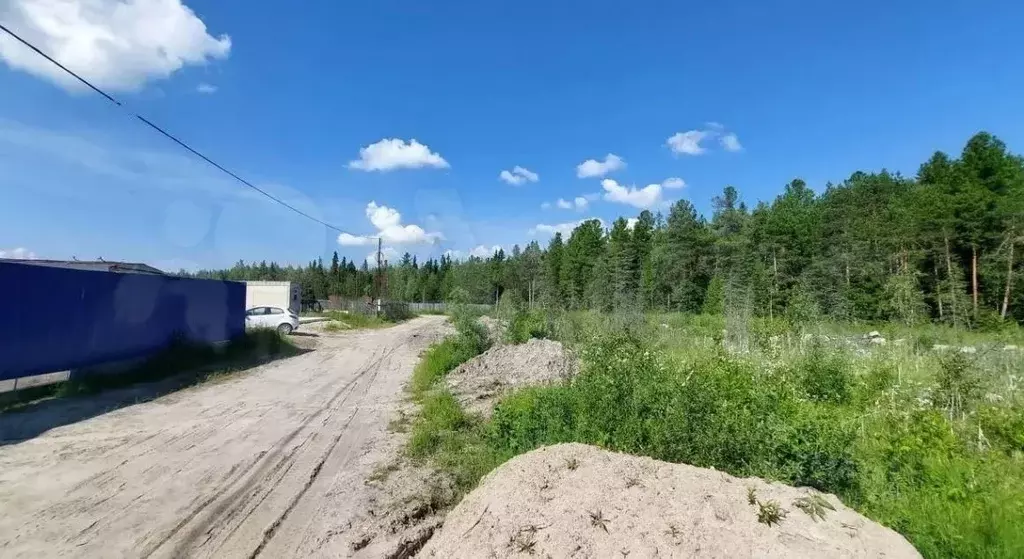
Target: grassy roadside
(442,433)
(458,443)
(195,363)
(341,321)
(931,445)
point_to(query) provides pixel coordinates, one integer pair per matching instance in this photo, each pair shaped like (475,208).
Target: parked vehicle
(284,321)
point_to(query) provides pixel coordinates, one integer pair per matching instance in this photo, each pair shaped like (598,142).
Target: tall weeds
(927,443)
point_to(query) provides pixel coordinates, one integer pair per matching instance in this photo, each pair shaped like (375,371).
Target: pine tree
(714,299)
(643,247)
(619,270)
(553,295)
(582,252)
(683,259)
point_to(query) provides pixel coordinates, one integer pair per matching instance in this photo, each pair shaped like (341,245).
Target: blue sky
(290,96)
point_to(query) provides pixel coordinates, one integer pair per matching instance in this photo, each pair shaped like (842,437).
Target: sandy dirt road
(270,463)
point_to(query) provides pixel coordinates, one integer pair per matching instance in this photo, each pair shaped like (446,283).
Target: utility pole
(381,278)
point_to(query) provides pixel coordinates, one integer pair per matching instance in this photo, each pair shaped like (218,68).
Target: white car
(282,320)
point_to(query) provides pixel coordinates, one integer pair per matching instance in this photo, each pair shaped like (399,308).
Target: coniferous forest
(945,246)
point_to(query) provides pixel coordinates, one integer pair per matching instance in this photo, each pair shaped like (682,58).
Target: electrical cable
(167,134)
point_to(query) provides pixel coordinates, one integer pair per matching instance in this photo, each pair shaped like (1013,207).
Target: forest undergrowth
(924,433)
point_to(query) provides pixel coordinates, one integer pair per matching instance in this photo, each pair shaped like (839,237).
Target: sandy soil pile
(479,382)
(573,500)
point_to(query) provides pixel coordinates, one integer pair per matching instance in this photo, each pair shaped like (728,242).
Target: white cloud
(545,205)
(116,44)
(348,240)
(519,175)
(484,252)
(688,142)
(382,217)
(480,251)
(19,253)
(673,182)
(206,88)
(388,223)
(578,203)
(595,168)
(631,223)
(564,228)
(508,177)
(731,143)
(644,198)
(524,172)
(393,153)
(388,254)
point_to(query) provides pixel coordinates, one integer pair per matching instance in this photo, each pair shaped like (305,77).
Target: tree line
(942,246)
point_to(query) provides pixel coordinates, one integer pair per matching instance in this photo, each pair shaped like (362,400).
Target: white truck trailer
(284,294)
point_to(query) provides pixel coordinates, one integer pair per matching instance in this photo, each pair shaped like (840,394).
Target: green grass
(438,360)
(355,321)
(441,358)
(453,441)
(442,432)
(198,362)
(928,443)
(525,325)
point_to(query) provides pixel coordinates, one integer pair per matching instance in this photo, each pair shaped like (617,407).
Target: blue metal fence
(54,319)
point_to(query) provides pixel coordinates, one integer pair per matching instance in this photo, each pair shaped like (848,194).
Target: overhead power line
(165,133)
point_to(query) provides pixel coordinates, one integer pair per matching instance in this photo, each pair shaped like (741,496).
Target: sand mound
(573,500)
(479,382)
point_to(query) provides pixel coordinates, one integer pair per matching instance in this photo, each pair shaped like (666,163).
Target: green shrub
(525,325)
(958,384)
(718,413)
(925,341)
(533,417)
(764,331)
(824,376)
(1003,427)
(706,325)
(991,321)
(949,476)
(817,450)
(920,479)
(879,378)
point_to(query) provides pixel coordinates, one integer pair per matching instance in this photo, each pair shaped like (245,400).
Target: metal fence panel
(57,319)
